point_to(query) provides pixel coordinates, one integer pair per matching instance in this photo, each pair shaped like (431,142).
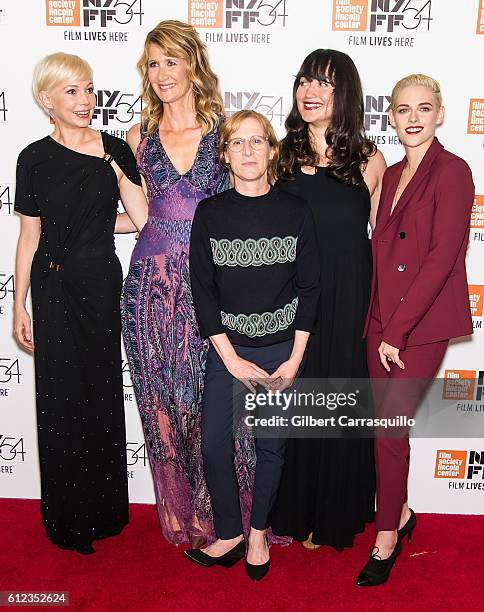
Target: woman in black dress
(327,488)
(68,186)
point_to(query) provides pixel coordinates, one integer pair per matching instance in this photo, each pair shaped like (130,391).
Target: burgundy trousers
(396,393)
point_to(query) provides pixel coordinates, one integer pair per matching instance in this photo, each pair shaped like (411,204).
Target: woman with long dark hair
(327,489)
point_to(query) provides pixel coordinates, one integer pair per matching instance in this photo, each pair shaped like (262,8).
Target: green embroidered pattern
(256,325)
(250,252)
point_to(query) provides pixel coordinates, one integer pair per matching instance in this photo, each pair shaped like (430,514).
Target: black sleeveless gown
(328,485)
(77,337)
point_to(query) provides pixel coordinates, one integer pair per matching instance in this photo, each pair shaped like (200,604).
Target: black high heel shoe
(377,571)
(257,572)
(409,526)
(229,559)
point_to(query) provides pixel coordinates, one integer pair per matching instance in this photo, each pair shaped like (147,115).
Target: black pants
(218,443)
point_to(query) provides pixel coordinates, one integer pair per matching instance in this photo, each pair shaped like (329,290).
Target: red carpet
(442,569)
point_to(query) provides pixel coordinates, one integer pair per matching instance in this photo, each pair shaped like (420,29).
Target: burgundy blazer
(419,275)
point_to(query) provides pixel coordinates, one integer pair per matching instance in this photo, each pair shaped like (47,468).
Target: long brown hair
(348,148)
(181,40)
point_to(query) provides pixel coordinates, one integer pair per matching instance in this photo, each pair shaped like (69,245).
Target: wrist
(296,359)
(230,359)
(225,350)
(18,306)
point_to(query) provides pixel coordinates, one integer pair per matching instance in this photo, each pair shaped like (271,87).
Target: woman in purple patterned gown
(176,147)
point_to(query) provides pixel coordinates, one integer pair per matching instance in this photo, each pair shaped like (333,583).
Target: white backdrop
(256,47)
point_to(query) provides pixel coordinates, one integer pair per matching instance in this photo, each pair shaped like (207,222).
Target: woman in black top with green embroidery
(254,268)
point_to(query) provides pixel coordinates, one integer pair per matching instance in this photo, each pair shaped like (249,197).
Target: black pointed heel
(230,560)
(257,572)
(377,571)
(227,560)
(409,526)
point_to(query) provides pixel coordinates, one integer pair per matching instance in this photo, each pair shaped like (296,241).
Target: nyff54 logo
(9,370)
(376,113)
(7,287)
(11,448)
(3,107)
(6,202)
(270,106)
(236,13)
(136,452)
(127,382)
(114,105)
(381,15)
(97,13)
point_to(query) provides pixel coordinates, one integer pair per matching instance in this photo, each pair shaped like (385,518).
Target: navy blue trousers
(218,443)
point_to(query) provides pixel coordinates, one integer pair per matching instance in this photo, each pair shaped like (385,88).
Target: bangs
(318,66)
(176,52)
(58,68)
(168,45)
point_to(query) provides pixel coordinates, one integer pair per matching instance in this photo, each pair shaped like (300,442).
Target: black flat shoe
(409,526)
(377,571)
(230,558)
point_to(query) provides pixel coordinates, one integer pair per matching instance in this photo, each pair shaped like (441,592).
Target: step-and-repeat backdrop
(256,47)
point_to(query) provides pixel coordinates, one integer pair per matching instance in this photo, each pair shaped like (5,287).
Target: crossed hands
(250,374)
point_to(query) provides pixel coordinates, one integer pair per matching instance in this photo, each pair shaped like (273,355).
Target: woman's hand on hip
(390,354)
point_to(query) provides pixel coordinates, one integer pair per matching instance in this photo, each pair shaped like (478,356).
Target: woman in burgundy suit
(419,296)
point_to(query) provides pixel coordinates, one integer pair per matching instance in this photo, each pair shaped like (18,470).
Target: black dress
(328,485)
(76,284)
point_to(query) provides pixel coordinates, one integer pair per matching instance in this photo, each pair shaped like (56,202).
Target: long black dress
(76,282)
(328,485)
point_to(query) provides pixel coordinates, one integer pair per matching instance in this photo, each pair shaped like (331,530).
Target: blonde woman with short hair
(419,298)
(68,187)
(176,146)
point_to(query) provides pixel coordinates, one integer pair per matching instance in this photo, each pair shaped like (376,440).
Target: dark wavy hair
(348,147)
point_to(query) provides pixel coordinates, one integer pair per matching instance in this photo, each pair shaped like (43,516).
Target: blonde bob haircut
(58,68)
(232,124)
(180,40)
(416,79)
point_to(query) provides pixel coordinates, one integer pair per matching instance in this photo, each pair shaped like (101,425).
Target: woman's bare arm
(27,245)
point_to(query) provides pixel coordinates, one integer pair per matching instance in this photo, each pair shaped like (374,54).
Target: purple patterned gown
(165,351)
